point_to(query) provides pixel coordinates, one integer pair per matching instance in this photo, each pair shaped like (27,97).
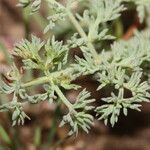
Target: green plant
(121,66)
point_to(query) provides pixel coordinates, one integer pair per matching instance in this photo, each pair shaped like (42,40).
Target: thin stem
(46,79)
(76,24)
(37,81)
(82,34)
(63,98)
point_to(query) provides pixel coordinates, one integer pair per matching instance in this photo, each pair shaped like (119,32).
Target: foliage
(80,119)
(121,66)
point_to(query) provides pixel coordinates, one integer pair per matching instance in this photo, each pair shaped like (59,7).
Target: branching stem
(46,79)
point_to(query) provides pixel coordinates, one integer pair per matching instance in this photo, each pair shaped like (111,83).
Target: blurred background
(42,132)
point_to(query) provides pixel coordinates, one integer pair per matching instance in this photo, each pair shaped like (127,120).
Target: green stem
(63,98)
(82,34)
(46,79)
(37,81)
(76,24)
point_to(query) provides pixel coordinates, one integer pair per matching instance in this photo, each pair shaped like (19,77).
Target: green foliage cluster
(121,66)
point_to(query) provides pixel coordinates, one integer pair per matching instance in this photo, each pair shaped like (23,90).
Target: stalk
(63,98)
(82,34)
